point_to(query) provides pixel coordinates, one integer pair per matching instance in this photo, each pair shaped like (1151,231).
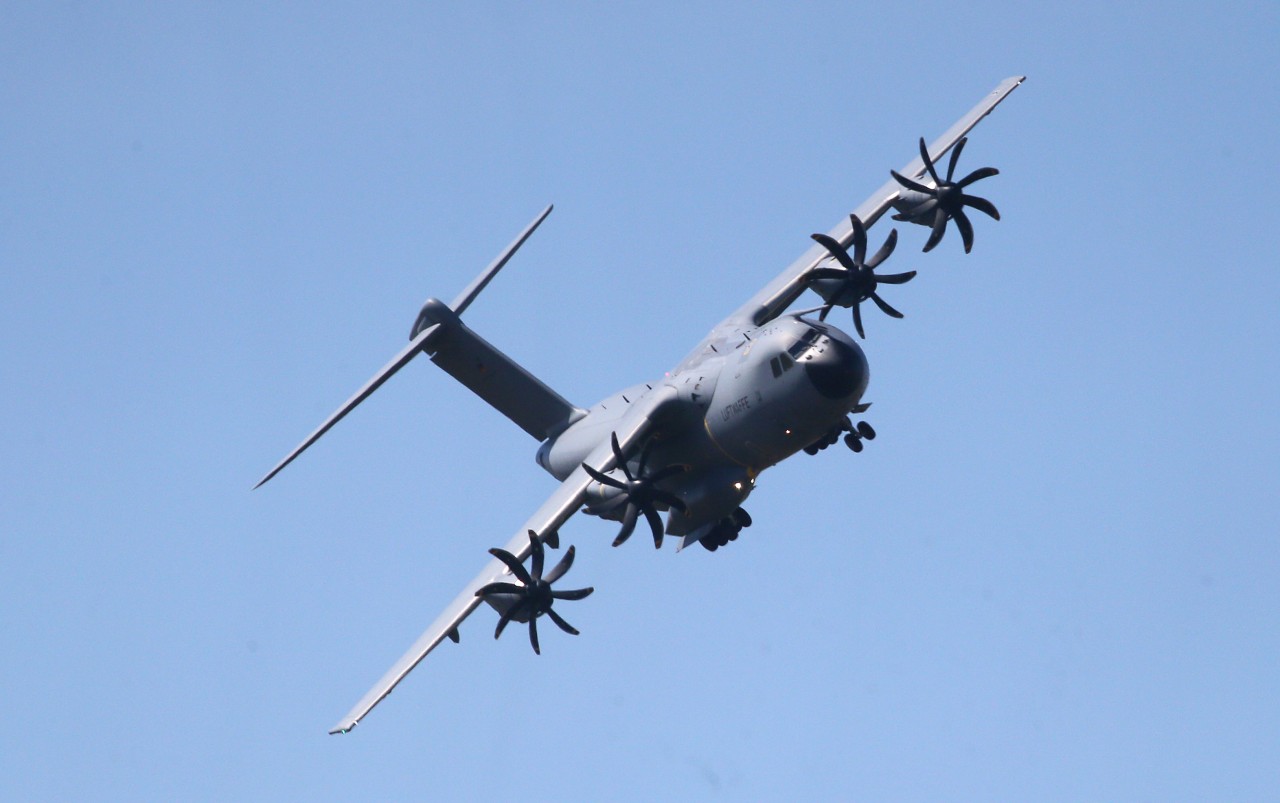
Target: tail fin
(495,377)
(462,353)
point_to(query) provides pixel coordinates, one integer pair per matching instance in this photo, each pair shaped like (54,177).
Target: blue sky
(1052,576)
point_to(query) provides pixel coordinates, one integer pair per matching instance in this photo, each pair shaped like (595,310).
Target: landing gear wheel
(853,442)
(726,530)
(865,430)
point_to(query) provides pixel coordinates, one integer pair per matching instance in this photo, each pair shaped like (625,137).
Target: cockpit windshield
(806,341)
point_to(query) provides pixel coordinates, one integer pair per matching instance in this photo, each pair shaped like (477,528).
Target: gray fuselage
(748,398)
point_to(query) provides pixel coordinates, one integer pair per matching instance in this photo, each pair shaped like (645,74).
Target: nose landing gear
(856,435)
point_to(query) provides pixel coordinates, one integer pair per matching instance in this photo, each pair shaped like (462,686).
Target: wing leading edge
(562,504)
(788,285)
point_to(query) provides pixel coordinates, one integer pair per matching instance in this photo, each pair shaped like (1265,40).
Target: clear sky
(1052,577)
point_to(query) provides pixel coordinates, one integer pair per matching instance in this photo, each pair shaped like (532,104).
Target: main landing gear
(726,530)
(853,436)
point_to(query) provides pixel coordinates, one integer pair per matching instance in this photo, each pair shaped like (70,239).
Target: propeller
(947,198)
(857,273)
(534,596)
(639,492)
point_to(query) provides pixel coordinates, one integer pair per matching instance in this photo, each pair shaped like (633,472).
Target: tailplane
(489,373)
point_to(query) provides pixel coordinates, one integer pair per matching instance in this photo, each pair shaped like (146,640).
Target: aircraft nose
(838,371)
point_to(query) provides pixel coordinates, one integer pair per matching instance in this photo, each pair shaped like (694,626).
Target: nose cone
(838,370)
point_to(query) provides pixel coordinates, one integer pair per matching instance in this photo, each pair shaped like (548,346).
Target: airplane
(763,385)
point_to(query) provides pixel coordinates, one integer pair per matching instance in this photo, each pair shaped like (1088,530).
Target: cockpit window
(806,341)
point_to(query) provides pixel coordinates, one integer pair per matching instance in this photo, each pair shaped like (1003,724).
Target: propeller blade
(885,250)
(859,240)
(533,634)
(506,617)
(535,565)
(896,278)
(977,175)
(982,205)
(884,307)
(562,624)
(516,567)
(619,458)
(560,568)
(939,229)
(655,524)
(857,320)
(575,594)
(604,479)
(911,184)
(955,157)
(836,250)
(965,227)
(628,524)
(928,163)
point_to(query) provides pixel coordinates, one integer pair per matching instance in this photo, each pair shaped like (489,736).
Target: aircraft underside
(764,384)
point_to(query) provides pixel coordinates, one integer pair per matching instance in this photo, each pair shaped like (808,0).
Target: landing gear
(858,434)
(726,530)
(853,436)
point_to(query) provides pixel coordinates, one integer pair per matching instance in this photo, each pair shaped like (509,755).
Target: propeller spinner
(534,596)
(946,199)
(639,492)
(857,273)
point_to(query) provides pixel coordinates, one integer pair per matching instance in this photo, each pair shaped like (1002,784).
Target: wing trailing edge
(563,503)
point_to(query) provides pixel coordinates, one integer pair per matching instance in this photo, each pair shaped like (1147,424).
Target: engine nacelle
(605,500)
(909,199)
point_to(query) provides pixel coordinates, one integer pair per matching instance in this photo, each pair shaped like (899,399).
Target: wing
(562,504)
(783,290)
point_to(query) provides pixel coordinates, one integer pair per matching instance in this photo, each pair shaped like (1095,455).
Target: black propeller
(534,597)
(639,492)
(947,199)
(858,273)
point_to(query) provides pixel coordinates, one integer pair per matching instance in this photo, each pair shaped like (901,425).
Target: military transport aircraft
(763,385)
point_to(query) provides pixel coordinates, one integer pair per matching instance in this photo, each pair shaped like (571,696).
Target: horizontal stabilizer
(397,362)
(545,404)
